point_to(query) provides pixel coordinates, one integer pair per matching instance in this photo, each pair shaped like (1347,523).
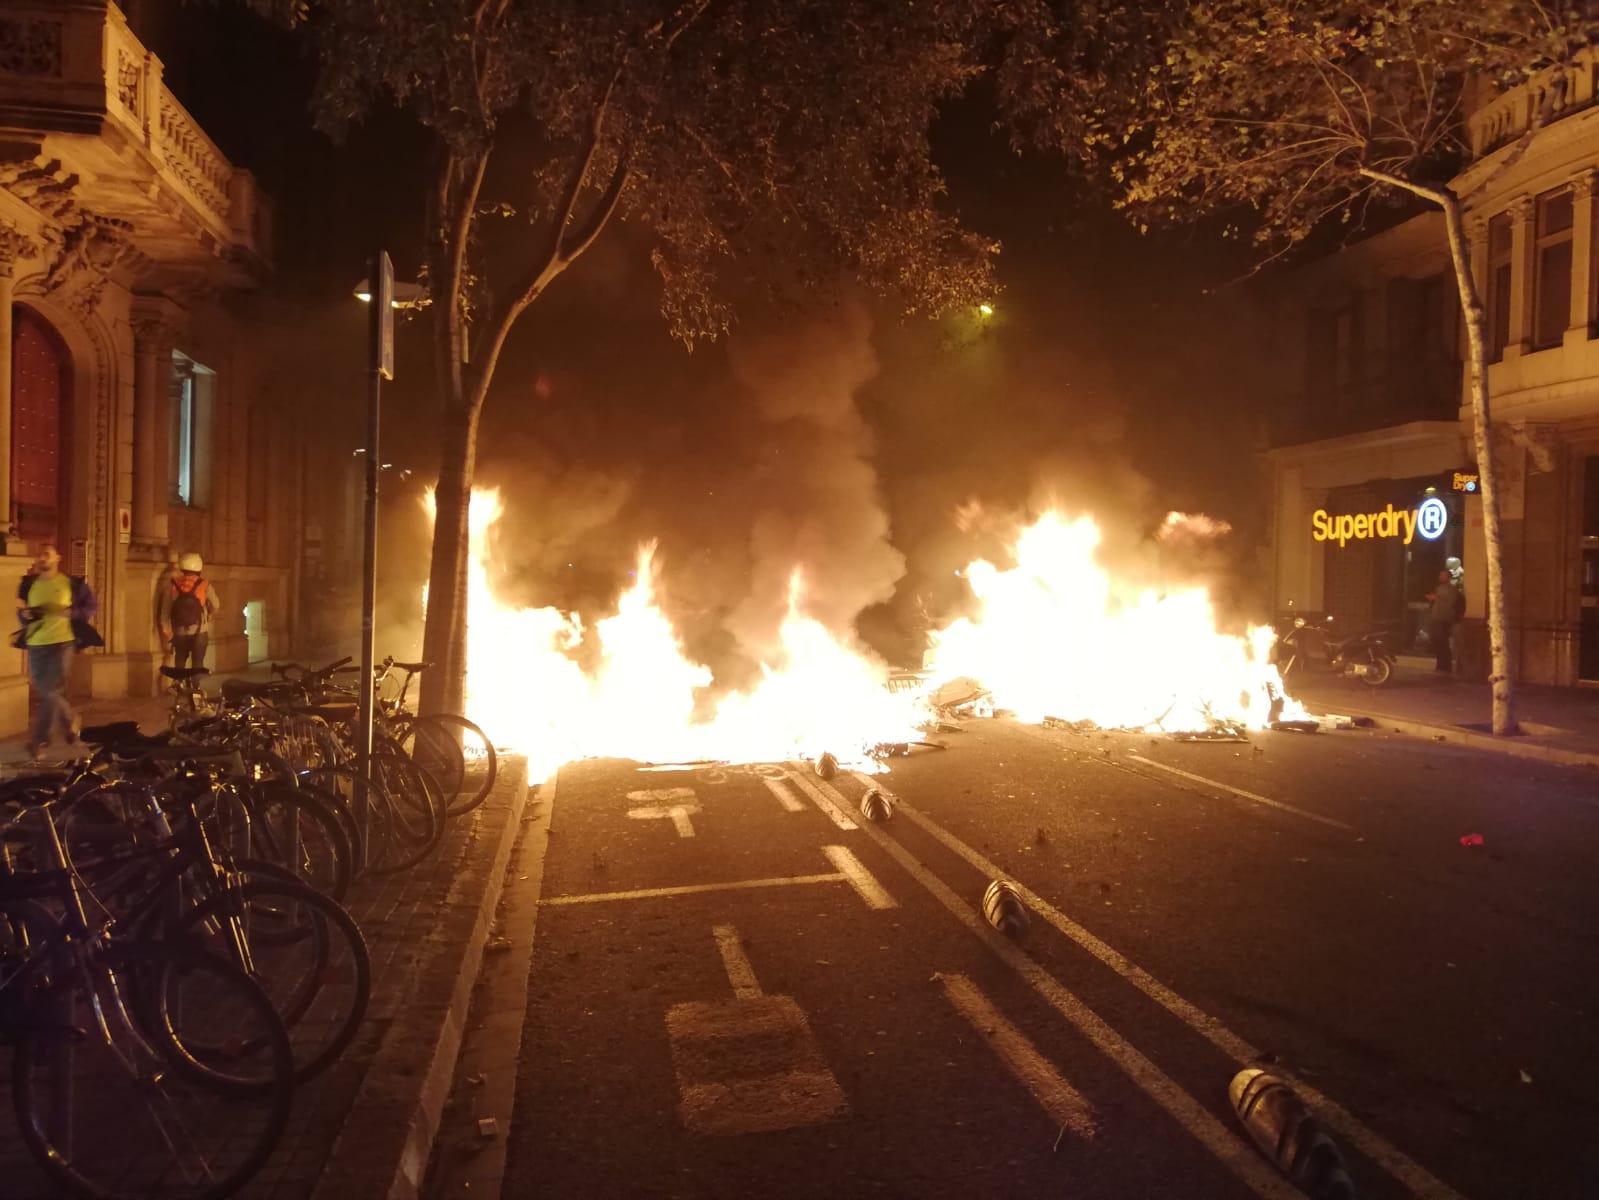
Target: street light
(406,295)
(985,309)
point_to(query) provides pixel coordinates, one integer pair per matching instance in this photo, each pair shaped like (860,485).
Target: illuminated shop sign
(1428,520)
(1466,481)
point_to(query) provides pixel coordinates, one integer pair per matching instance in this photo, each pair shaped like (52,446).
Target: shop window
(192,404)
(1552,269)
(1498,286)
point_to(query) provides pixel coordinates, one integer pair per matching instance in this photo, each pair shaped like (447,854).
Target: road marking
(1064,1103)
(862,880)
(740,973)
(714,1046)
(691,889)
(822,801)
(785,797)
(1239,792)
(1373,1145)
(679,814)
(1232,1151)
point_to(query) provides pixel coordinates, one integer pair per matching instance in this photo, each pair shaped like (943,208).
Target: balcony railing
(79,69)
(1505,118)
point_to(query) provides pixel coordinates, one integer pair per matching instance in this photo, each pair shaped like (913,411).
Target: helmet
(191,562)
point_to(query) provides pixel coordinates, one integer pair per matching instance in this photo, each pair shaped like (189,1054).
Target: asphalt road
(847,1025)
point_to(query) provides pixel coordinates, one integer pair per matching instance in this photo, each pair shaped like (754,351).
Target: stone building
(1372,410)
(136,416)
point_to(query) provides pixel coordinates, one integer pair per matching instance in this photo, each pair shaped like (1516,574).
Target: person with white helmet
(188,603)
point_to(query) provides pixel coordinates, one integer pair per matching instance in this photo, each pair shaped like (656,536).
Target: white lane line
(1064,1103)
(678,813)
(862,880)
(740,973)
(691,889)
(1373,1145)
(785,797)
(1239,792)
(822,800)
(1236,1154)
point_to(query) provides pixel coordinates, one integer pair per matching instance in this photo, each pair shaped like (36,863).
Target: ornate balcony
(87,124)
(1506,117)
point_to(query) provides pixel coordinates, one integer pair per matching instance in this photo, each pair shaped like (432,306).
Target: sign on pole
(383,315)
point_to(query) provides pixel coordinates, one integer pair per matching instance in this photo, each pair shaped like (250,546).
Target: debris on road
(1525,1078)
(1003,907)
(488,1127)
(1290,1136)
(1473,839)
(1297,726)
(875,806)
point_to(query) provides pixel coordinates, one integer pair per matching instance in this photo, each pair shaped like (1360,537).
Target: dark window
(1498,286)
(1552,308)
(40,389)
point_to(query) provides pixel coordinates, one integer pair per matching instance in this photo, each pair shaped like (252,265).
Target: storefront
(1384,543)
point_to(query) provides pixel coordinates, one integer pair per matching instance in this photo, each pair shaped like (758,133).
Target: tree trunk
(444,635)
(1471,306)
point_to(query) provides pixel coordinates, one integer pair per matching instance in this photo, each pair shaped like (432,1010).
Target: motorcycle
(1362,656)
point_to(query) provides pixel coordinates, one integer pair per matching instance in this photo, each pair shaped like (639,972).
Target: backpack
(188,605)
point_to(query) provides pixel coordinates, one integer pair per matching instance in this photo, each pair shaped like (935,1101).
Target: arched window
(41,390)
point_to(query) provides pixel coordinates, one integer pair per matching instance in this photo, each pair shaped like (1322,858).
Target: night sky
(1119,375)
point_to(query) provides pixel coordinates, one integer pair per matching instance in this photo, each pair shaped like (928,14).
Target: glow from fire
(1052,636)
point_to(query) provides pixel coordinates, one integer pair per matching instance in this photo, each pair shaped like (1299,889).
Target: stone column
(1522,249)
(14,246)
(1581,257)
(156,323)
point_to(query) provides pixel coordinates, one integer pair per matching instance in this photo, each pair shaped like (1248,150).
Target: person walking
(188,603)
(1441,618)
(55,611)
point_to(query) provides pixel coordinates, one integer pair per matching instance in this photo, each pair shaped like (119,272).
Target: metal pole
(379,315)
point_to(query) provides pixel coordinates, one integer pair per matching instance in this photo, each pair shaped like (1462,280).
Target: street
(843,1021)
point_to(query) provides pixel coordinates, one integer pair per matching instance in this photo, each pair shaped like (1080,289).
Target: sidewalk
(1557,724)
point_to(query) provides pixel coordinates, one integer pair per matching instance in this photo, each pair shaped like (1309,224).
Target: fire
(1052,636)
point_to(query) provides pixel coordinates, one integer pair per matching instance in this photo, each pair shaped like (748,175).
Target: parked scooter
(1362,656)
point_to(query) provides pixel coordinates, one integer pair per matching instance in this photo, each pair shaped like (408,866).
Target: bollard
(1003,907)
(826,765)
(875,806)
(1290,1136)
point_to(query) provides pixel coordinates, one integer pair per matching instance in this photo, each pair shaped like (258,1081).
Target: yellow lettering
(1363,525)
(1409,518)
(1345,528)
(1318,524)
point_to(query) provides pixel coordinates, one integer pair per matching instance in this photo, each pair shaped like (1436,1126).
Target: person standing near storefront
(1457,631)
(187,605)
(1441,620)
(54,610)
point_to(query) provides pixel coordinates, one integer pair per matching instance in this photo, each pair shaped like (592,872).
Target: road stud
(1290,1136)
(1003,907)
(875,806)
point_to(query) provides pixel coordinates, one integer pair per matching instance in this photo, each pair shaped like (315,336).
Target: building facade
(1372,411)
(135,418)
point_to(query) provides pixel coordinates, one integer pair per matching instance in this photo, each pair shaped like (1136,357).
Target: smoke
(817,506)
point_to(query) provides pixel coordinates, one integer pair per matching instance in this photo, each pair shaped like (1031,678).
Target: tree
(1309,111)
(786,138)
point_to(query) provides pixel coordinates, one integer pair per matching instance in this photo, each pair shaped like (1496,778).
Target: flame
(1052,636)
(1055,637)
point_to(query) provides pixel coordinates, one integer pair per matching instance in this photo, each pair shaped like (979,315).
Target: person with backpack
(55,611)
(188,603)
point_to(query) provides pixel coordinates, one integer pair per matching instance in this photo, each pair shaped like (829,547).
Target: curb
(384,1146)
(1516,747)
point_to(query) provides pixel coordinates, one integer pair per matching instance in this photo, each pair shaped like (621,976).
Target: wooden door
(41,383)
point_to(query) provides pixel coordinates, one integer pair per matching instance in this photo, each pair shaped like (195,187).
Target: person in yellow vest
(55,611)
(187,605)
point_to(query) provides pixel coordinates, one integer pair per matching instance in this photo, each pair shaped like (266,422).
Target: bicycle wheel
(306,952)
(446,743)
(297,830)
(127,1110)
(415,809)
(338,787)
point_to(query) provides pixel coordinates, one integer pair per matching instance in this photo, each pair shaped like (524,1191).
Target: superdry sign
(1428,520)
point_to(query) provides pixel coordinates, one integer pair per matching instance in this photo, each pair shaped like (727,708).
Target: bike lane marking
(862,880)
(1064,1103)
(1239,1157)
(785,797)
(690,889)
(822,801)
(750,1064)
(1373,1145)
(1241,793)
